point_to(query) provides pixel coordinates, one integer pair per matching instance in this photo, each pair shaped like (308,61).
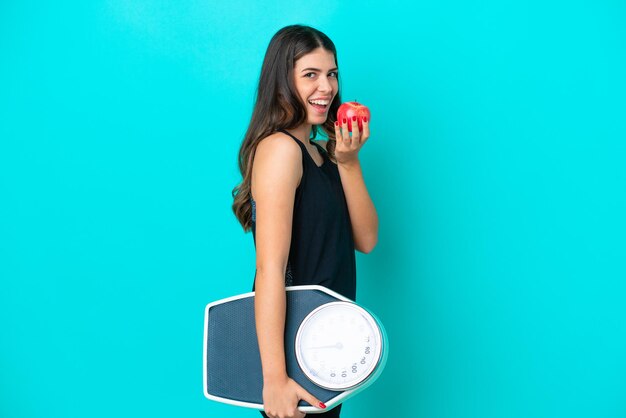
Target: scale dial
(339,345)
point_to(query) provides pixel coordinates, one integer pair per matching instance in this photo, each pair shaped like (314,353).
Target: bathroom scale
(334,348)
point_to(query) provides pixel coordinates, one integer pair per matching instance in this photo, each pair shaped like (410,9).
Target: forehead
(318,58)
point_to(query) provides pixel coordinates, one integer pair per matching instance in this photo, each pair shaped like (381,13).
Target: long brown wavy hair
(278,106)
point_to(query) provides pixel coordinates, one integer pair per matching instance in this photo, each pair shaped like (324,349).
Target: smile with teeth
(319,102)
(319,105)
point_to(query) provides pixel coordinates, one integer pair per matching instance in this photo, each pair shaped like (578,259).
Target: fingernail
(354,118)
(336,123)
(322,405)
(345,120)
(364,119)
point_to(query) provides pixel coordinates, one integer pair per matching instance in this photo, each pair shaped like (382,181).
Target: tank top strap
(319,147)
(293,137)
(307,159)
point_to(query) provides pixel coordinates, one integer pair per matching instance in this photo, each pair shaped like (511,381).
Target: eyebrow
(318,70)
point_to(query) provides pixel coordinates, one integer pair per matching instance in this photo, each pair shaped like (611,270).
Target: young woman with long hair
(304,200)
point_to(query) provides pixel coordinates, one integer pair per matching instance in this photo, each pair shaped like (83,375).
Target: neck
(302,132)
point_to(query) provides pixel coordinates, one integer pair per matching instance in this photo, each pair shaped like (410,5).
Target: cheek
(305,90)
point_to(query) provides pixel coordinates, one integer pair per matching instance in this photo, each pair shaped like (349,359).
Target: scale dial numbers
(338,345)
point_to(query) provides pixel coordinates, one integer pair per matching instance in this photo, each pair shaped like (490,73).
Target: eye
(309,75)
(333,74)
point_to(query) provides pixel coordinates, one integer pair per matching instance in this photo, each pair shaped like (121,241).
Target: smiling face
(315,78)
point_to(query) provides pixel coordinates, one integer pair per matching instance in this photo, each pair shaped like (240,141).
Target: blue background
(497,163)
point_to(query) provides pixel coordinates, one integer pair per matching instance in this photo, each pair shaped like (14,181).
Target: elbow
(367,246)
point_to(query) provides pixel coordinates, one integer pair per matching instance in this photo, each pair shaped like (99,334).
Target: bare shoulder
(277,145)
(277,162)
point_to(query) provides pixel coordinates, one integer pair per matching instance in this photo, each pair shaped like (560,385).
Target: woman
(306,203)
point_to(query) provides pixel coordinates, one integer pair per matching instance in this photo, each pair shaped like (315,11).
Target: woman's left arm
(363,215)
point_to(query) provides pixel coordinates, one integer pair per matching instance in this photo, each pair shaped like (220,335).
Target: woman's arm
(275,176)
(276,173)
(363,216)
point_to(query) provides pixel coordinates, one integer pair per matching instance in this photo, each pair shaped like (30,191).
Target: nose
(324,85)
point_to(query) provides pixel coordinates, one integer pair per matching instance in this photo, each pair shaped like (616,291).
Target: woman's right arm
(276,173)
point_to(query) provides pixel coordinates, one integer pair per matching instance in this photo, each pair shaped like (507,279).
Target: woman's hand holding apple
(348,146)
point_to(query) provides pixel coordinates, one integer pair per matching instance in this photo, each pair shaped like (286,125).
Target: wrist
(350,164)
(275,377)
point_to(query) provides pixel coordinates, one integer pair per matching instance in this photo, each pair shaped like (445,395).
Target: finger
(306,396)
(345,133)
(366,130)
(356,135)
(337,131)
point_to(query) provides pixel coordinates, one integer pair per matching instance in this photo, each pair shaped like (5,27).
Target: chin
(317,120)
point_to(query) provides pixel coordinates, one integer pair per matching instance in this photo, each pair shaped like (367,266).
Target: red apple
(349,109)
